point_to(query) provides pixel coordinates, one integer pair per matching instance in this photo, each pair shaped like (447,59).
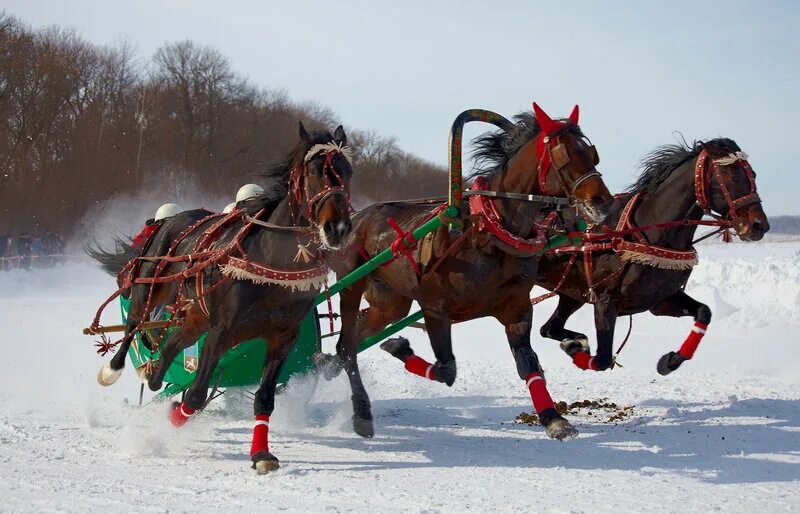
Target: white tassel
(658,262)
(333,146)
(731,158)
(303,254)
(295,285)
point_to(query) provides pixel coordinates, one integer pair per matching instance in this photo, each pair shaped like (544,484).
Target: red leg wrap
(180,415)
(690,345)
(584,361)
(539,395)
(421,367)
(260,435)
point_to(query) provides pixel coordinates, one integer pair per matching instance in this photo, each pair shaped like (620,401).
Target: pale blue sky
(639,70)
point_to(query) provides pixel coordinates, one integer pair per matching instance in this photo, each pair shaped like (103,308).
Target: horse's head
(320,184)
(567,165)
(726,184)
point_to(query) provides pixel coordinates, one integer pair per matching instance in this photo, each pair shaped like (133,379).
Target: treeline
(81,122)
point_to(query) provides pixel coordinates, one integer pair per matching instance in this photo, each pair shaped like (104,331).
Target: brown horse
(648,270)
(477,274)
(253,281)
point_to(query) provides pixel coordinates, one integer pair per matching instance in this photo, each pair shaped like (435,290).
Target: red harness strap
(491,221)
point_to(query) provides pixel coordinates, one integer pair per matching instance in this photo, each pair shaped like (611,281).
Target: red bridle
(298,185)
(702,183)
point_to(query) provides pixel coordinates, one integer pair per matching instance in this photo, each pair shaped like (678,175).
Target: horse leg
(571,342)
(678,305)
(280,345)
(193,326)
(518,332)
(350,311)
(196,394)
(111,371)
(437,324)
(605,319)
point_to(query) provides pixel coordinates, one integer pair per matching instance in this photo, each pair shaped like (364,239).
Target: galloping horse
(239,276)
(481,273)
(648,269)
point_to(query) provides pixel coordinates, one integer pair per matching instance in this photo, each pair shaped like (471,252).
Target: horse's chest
(644,287)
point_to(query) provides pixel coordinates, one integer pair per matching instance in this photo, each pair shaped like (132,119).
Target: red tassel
(584,361)
(539,395)
(419,366)
(689,346)
(260,435)
(180,415)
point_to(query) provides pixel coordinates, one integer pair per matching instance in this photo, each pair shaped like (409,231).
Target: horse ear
(573,116)
(304,135)
(339,136)
(546,123)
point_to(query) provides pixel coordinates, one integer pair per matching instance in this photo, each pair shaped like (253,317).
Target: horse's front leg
(605,319)
(678,305)
(438,325)
(571,342)
(518,320)
(280,345)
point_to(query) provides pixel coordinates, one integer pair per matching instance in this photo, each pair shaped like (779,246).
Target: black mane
(659,164)
(494,150)
(276,176)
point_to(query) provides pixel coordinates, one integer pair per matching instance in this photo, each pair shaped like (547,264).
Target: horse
(647,267)
(240,276)
(480,273)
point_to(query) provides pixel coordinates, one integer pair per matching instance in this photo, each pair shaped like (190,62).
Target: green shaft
(390,331)
(380,259)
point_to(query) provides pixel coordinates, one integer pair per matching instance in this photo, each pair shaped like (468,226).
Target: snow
(723,432)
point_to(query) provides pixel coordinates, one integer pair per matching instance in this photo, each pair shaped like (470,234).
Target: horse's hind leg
(678,305)
(571,342)
(195,398)
(184,336)
(517,317)
(110,372)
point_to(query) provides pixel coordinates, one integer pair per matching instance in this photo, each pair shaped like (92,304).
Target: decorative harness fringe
(659,262)
(238,269)
(333,146)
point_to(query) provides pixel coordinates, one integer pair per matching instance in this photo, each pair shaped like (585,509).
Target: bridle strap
(702,183)
(300,191)
(544,147)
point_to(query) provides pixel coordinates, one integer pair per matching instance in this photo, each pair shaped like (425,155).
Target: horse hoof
(265,462)
(329,365)
(561,429)
(573,346)
(445,372)
(398,347)
(669,362)
(107,376)
(363,427)
(143,374)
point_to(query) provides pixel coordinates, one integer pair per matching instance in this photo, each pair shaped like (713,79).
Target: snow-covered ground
(723,432)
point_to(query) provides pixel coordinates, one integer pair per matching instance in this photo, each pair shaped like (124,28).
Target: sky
(642,71)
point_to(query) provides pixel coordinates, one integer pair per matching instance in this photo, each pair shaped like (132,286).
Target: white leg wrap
(107,376)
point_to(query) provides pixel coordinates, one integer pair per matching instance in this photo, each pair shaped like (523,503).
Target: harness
(640,251)
(232,260)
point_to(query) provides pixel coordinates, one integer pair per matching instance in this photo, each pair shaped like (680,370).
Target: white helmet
(167,210)
(248,191)
(228,208)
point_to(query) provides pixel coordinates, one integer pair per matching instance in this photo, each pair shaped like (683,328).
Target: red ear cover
(546,123)
(573,117)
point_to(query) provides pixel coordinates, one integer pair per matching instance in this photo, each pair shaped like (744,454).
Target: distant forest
(81,122)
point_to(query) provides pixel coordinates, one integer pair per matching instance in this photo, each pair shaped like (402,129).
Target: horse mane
(494,151)
(660,163)
(276,176)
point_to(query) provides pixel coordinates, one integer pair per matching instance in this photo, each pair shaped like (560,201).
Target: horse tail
(112,261)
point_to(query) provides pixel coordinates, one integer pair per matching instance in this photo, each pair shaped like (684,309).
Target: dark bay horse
(480,275)
(679,182)
(266,287)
